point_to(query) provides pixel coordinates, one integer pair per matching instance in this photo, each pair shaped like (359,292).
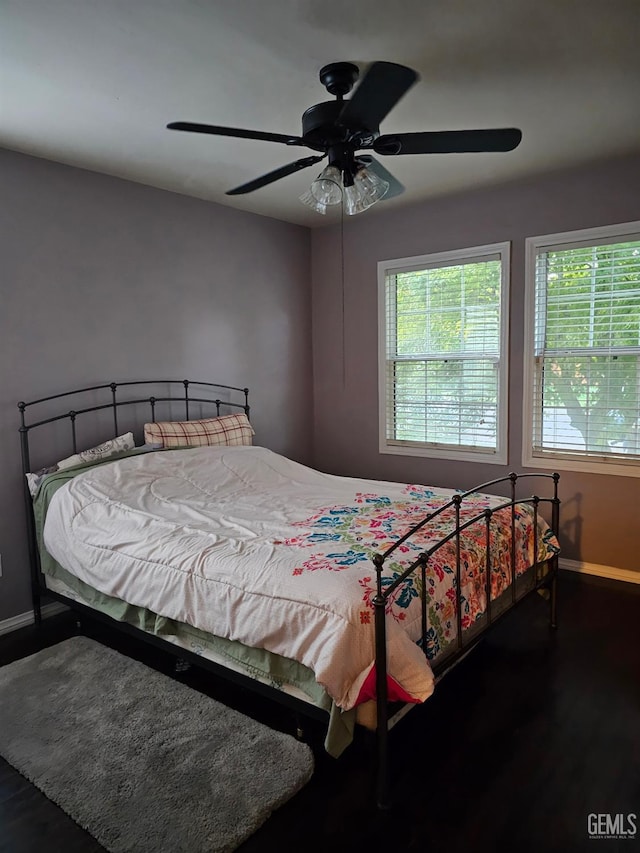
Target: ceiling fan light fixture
(357,192)
(355,201)
(371,186)
(311,201)
(327,187)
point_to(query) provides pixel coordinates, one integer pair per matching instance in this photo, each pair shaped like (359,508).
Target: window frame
(499,455)
(582,461)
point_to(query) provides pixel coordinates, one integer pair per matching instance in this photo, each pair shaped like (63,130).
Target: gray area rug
(142,762)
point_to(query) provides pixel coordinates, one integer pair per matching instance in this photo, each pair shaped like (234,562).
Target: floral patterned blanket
(248,545)
(375,523)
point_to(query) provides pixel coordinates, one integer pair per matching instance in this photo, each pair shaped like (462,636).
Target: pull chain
(344,333)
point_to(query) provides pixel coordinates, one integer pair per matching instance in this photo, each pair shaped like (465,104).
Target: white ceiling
(93,83)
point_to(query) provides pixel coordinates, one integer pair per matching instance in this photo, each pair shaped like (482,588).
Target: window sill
(606,467)
(450,454)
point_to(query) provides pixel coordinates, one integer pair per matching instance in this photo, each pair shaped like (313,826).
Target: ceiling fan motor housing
(321,128)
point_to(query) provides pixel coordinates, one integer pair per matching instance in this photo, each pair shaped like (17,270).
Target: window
(582,369)
(443,332)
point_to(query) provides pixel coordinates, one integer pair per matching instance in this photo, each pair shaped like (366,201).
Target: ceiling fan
(342,128)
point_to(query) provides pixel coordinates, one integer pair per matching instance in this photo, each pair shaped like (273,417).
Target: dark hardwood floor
(527,736)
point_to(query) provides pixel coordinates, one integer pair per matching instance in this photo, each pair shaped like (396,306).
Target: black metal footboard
(385,591)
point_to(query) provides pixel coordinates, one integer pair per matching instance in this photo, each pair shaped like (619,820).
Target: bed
(344,598)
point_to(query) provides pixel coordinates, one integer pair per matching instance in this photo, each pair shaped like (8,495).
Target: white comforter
(248,545)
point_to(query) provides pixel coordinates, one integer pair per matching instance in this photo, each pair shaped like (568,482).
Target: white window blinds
(586,350)
(443,333)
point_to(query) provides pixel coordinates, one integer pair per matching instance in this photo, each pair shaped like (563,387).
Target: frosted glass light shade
(312,202)
(371,186)
(354,200)
(327,187)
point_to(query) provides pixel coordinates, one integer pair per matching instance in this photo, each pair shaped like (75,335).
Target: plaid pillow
(225,430)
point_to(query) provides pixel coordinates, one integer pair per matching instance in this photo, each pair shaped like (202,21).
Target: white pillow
(100,451)
(93,454)
(34,479)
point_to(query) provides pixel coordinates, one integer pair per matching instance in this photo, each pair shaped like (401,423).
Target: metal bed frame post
(114,403)
(487,517)
(555,526)
(514,577)
(457,502)
(382,711)
(424,561)
(185,382)
(34,562)
(535,500)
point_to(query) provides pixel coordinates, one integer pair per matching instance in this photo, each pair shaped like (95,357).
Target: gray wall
(599,512)
(107,280)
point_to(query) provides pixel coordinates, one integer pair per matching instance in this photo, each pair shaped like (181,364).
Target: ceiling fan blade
(373,165)
(270,177)
(449,141)
(379,90)
(215,130)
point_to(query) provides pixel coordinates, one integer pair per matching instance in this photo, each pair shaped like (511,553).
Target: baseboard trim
(600,571)
(22,619)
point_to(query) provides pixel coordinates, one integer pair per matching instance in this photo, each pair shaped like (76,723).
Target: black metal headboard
(114,396)
(192,392)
